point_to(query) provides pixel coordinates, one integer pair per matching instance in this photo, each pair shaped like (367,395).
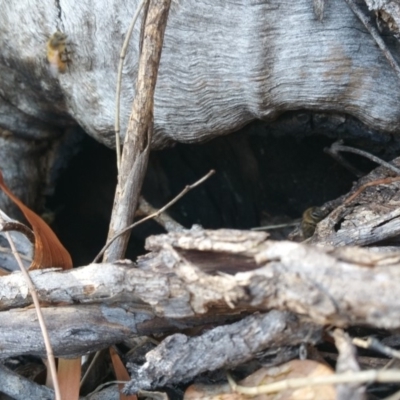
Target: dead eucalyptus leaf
(69,376)
(49,252)
(264,376)
(121,374)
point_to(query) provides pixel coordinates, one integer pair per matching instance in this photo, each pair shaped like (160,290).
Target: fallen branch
(20,388)
(197,277)
(180,358)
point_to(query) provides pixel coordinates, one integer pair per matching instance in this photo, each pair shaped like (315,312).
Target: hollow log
(224,64)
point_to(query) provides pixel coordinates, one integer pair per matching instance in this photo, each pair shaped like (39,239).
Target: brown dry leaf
(121,374)
(290,370)
(69,376)
(49,252)
(264,376)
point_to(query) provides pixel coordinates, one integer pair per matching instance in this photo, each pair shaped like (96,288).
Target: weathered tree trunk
(223,65)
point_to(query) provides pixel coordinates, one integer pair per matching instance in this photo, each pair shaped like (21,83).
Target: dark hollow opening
(263,175)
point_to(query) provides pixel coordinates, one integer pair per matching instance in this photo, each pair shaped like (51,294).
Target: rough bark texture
(181,358)
(176,285)
(371,218)
(224,64)
(19,388)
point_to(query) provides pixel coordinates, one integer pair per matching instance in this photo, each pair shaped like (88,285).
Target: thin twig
(376,345)
(119,82)
(46,338)
(271,227)
(375,34)
(383,181)
(168,223)
(343,162)
(89,368)
(6,250)
(370,376)
(338,146)
(161,210)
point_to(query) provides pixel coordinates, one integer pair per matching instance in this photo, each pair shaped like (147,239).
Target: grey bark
(20,388)
(224,64)
(371,218)
(176,285)
(180,358)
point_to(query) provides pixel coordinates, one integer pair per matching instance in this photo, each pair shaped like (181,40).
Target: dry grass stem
(168,223)
(119,82)
(46,338)
(383,181)
(89,368)
(278,226)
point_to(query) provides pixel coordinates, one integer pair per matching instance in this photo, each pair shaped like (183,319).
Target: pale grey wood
(372,217)
(224,64)
(73,330)
(19,234)
(179,283)
(347,362)
(387,13)
(20,388)
(181,358)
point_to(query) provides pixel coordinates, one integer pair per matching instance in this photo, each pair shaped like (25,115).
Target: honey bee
(310,219)
(57,54)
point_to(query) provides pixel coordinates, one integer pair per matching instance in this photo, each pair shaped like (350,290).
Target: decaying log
(180,358)
(191,278)
(372,217)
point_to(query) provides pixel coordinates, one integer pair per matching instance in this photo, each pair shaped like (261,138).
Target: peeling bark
(170,288)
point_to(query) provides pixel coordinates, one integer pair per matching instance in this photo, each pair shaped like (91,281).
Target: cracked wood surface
(179,283)
(371,218)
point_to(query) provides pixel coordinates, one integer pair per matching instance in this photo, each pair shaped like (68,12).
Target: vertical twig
(119,82)
(46,338)
(139,134)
